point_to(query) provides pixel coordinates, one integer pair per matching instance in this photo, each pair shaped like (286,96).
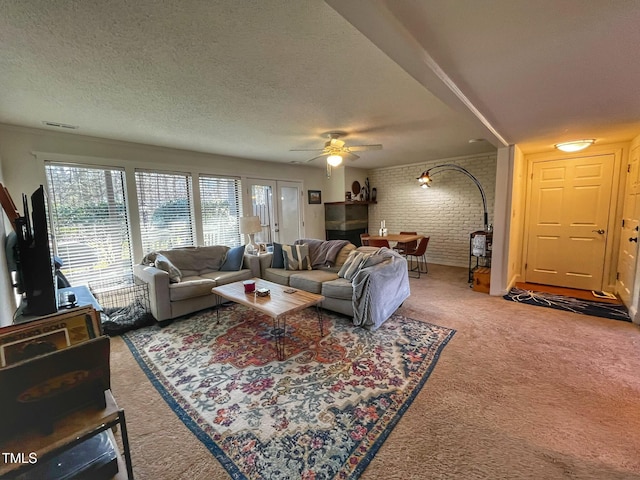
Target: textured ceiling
(256,79)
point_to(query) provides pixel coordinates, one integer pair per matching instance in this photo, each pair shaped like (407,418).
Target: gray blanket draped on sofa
(378,291)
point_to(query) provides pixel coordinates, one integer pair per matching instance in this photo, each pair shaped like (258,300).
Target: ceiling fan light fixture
(334,160)
(575,145)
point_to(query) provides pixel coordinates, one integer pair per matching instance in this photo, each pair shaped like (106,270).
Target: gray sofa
(370,297)
(175,293)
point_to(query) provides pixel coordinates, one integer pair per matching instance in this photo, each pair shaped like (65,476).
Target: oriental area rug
(322,413)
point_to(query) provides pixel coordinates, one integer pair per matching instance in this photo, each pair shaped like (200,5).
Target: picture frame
(315,197)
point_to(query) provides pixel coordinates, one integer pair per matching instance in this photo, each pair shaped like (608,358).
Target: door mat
(570,304)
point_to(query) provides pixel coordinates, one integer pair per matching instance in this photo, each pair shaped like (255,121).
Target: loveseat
(180,280)
(365,283)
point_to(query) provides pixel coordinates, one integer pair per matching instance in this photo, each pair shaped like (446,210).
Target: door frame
(619,152)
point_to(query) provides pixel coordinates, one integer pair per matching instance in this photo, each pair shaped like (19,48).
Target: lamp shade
(250,225)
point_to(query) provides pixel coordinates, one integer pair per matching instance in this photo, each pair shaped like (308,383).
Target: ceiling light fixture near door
(575,145)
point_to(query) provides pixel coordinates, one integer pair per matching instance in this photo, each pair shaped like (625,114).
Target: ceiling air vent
(60,125)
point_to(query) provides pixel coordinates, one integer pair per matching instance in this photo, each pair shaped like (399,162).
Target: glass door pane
(261,192)
(290,211)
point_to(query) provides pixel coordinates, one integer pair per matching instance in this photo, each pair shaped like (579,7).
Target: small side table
(68,432)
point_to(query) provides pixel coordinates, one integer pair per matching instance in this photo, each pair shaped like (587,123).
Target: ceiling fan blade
(350,156)
(361,148)
(307,150)
(319,156)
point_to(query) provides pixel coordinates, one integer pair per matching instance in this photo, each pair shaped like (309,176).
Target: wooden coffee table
(278,304)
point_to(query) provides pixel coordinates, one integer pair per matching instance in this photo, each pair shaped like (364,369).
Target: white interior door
(279,206)
(628,252)
(568,220)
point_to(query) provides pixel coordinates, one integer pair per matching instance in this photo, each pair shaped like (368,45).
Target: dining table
(396,237)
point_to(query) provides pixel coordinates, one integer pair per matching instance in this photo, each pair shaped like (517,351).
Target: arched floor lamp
(425,181)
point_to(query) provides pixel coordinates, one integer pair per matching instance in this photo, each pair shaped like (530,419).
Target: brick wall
(447,212)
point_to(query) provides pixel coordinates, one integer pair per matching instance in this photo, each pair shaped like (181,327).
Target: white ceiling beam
(376,21)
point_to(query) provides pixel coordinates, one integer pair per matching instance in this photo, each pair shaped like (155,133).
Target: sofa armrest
(158,283)
(252,263)
(265,262)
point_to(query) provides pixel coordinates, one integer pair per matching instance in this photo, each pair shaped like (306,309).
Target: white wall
(23,172)
(516,230)
(341,180)
(448,211)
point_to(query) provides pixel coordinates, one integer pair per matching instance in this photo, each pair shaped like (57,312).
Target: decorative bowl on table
(262,292)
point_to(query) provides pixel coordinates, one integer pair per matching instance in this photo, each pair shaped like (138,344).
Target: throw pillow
(163,263)
(277,260)
(149,259)
(353,264)
(234,259)
(296,257)
(343,254)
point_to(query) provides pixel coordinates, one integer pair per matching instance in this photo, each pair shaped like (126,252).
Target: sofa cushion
(233,260)
(190,287)
(279,275)
(311,281)
(192,261)
(338,288)
(296,257)
(277,261)
(222,278)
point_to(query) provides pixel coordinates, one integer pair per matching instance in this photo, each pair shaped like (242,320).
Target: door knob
(600,231)
(634,239)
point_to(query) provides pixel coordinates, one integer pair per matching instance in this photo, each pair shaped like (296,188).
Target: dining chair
(364,239)
(403,247)
(420,253)
(378,243)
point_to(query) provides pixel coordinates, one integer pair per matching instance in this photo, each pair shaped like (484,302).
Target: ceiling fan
(335,149)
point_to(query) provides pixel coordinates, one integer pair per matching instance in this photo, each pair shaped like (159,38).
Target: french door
(279,206)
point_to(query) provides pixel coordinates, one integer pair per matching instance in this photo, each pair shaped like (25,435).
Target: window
(90,222)
(166,213)
(221,210)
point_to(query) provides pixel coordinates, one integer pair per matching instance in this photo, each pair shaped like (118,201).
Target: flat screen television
(36,279)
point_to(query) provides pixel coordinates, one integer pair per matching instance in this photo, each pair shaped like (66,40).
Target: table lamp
(250,226)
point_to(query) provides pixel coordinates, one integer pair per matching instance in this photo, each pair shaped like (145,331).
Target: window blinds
(90,222)
(221,210)
(166,213)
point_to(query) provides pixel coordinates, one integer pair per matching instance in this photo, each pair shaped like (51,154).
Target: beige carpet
(519,392)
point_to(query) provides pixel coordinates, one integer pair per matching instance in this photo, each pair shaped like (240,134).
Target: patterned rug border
(220,455)
(568,304)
